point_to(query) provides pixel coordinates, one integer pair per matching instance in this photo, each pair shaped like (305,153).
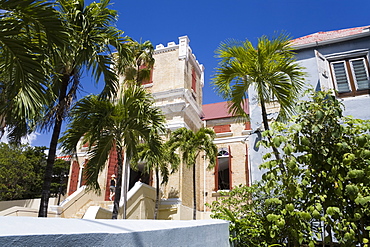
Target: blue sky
(207,23)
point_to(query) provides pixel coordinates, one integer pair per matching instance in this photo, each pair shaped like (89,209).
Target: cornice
(233,139)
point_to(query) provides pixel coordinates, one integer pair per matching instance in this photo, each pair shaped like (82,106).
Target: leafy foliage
(246,222)
(21,169)
(325,155)
(59,179)
(319,188)
(21,172)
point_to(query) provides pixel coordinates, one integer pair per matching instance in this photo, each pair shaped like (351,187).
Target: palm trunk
(118,189)
(45,194)
(194,195)
(266,126)
(125,183)
(44,203)
(156,194)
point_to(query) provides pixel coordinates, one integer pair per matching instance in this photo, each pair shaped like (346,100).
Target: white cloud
(30,138)
(26,140)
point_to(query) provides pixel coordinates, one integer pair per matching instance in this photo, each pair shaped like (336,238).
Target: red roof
(329,35)
(219,110)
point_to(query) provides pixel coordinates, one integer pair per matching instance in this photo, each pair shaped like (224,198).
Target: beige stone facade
(176,85)
(177,82)
(177,88)
(232,167)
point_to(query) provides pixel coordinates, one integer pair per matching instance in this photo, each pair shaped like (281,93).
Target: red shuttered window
(150,80)
(194,80)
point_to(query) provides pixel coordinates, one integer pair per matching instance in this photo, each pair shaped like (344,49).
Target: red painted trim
(247,176)
(112,169)
(73,183)
(194,80)
(230,171)
(216,174)
(83,177)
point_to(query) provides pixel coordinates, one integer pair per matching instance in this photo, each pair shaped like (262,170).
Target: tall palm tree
(191,144)
(107,125)
(159,157)
(92,36)
(270,67)
(29,31)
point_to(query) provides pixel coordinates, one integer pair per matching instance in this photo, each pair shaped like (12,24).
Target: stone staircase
(103,204)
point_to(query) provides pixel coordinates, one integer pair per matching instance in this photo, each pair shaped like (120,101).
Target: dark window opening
(139,175)
(223,173)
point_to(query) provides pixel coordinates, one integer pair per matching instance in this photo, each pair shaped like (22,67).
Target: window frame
(350,75)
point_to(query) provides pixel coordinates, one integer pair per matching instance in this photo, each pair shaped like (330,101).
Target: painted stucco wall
(25,231)
(256,151)
(358,107)
(28,203)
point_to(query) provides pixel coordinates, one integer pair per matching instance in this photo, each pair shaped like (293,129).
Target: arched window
(223,173)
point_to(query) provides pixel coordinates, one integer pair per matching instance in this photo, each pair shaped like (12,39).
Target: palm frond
(29,30)
(190,144)
(98,155)
(269,66)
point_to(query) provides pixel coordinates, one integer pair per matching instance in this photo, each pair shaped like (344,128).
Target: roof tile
(219,110)
(329,35)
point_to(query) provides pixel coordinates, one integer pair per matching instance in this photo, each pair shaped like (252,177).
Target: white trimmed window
(351,76)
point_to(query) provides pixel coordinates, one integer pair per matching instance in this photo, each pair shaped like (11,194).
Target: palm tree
(107,125)
(138,69)
(92,36)
(157,156)
(270,67)
(29,31)
(191,144)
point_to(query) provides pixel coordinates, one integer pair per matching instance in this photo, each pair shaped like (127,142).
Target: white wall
(25,231)
(28,203)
